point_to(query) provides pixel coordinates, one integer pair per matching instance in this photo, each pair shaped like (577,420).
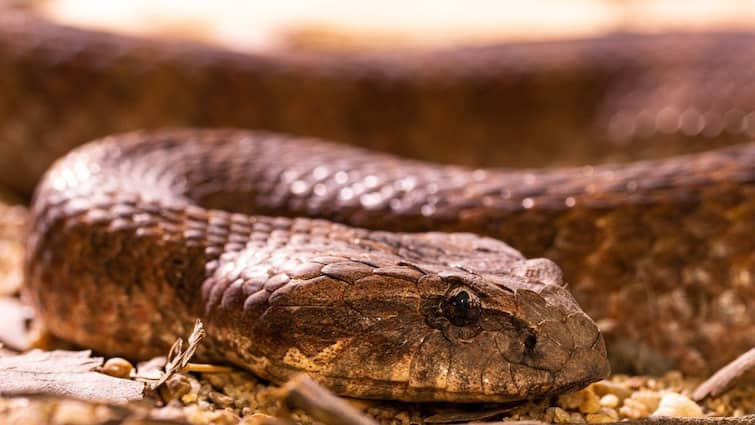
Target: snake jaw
(567,343)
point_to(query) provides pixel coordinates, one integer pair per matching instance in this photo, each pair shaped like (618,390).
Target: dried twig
(178,359)
(305,394)
(206,368)
(727,376)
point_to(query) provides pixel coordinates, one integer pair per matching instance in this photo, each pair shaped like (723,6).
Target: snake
(386,275)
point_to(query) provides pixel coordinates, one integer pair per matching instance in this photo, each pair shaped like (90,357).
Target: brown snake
(131,238)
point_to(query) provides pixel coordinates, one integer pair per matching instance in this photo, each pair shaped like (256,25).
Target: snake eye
(462,308)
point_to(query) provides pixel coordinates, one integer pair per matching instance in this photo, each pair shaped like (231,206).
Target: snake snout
(513,333)
(541,270)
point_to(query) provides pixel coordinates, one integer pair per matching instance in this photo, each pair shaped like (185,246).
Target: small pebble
(673,404)
(603,416)
(633,409)
(561,416)
(220,399)
(222,417)
(576,418)
(189,398)
(649,399)
(604,387)
(571,400)
(175,387)
(117,367)
(609,400)
(590,403)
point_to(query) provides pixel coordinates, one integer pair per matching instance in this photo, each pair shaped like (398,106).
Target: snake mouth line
(370,388)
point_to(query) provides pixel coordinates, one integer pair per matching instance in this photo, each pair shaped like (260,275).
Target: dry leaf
(303,393)
(737,371)
(64,373)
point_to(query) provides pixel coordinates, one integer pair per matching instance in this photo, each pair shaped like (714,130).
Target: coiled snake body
(425,316)
(135,235)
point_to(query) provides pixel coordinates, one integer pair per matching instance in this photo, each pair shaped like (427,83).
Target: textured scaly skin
(122,259)
(671,277)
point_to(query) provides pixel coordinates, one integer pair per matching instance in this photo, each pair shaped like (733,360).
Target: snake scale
(133,236)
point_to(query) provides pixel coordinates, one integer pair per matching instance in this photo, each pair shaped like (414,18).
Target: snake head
(424,317)
(505,337)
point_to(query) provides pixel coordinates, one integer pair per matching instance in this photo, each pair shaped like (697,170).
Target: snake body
(134,236)
(425,316)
